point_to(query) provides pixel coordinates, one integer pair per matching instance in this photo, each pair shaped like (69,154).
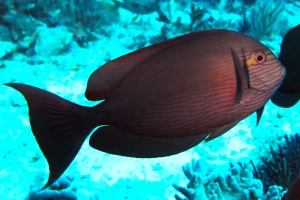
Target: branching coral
(244,25)
(210,184)
(181,18)
(249,2)
(199,176)
(266,18)
(283,166)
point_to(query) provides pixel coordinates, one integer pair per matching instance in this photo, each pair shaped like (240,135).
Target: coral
(283,166)
(137,6)
(62,189)
(85,19)
(20,25)
(249,2)
(206,183)
(244,26)
(266,18)
(90,18)
(59,190)
(53,194)
(199,176)
(182,17)
(4,33)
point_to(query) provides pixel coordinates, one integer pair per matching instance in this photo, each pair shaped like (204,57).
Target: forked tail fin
(59,126)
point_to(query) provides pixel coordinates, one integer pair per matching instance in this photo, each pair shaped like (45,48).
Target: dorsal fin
(105,79)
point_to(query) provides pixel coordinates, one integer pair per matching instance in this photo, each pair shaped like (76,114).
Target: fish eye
(260,57)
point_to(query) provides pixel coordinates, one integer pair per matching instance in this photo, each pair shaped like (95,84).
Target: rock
(6,47)
(52,41)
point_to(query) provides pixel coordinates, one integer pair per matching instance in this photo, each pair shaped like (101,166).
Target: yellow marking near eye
(252,60)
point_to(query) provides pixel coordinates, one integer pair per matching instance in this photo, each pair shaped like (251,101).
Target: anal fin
(116,141)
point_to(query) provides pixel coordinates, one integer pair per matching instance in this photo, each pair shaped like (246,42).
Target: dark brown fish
(293,192)
(289,92)
(160,100)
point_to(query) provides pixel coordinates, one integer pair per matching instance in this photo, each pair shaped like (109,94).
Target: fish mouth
(283,74)
(266,87)
(283,71)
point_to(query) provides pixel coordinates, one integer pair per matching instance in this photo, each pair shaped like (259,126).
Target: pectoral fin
(259,113)
(220,131)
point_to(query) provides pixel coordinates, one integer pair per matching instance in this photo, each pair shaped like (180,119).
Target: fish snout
(283,71)
(268,79)
(283,74)
(280,80)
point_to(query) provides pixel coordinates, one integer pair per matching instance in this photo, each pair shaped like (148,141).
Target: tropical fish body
(191,95)
(160,100)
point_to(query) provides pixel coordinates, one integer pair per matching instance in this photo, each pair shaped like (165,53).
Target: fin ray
(57,125)
(107,77)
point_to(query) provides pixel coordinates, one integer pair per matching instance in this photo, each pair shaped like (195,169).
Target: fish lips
(283,75)
(262,86)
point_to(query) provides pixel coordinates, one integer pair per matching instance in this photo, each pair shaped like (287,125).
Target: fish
(293,191)
(157,101)
(288,93)
(138,7)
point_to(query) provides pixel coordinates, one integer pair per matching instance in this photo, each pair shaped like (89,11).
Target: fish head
(264,71)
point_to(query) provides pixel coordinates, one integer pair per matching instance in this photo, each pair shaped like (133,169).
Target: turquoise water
(56,45)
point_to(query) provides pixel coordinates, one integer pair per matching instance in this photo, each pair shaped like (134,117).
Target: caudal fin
(59,126)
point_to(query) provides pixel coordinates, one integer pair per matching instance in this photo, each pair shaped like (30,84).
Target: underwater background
(55,45)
